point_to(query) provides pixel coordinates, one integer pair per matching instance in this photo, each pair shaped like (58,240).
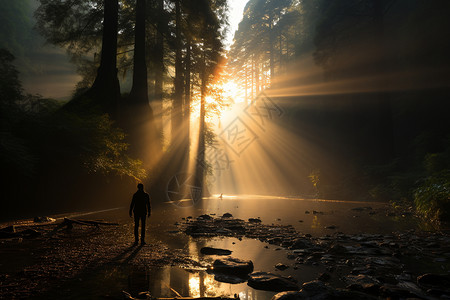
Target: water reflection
(186,281)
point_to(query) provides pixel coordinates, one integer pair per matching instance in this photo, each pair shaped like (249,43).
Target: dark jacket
(140,205)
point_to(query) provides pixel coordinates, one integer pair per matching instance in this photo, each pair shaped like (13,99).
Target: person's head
(140,186)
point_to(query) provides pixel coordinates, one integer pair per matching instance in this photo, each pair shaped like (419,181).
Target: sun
(232,91)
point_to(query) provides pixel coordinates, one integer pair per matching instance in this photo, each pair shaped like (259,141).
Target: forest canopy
(362,87)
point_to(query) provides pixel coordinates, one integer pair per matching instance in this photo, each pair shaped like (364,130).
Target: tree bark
(187,96)
(159,65)
(178,97)
(200,170)
(139,89)
(106,88)
(272,58)
(139,123)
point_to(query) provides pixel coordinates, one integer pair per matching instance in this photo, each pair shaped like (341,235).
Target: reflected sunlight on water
(307,216)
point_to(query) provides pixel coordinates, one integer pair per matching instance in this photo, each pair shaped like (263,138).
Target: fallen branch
(68,223)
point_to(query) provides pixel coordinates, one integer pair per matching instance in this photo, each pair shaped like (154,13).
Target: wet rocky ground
(402,265)
(53,265)
(44,260)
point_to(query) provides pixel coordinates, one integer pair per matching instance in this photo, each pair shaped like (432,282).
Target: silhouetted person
(140,206)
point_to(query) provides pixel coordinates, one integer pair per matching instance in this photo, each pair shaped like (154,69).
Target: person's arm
(131,207)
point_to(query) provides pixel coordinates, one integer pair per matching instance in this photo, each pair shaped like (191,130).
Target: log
(69,224)
(199,298)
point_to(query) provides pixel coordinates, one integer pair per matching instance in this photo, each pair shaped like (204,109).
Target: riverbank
(343,245)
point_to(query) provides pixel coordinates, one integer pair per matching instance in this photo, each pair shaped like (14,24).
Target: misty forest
(318,127)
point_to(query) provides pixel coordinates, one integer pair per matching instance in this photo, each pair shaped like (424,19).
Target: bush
(432,198)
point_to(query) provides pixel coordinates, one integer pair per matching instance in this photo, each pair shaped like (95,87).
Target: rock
(229,278)
(433,281)
(270,282)
(204,217)
(43,219)
(253,220)
(337,249)
(30,233)
(9,229)
(361,279)
(395,292)
(232,265)
(316,290)
(331,227)
(410,286)
(281,266)
(440,259)
(274,241)
(227,215)
(8,235)
(300,244)
(289,295)
(362,208)
(214,251)
(315,287)
(8,232)
(306,212)
(324,276)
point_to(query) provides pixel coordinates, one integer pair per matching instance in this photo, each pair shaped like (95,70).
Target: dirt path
(47,264)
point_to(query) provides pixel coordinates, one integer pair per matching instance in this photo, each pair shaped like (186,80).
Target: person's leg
(136,228)
(143,229)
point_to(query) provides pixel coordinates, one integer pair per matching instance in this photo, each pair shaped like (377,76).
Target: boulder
(270,282)
(214,251)
(227,215)
(289,295)
(337,249)
(253,220)
(233,279)
(316,290)
(281,266)
(300,244)
(231,265)
(434,281)
(204,217)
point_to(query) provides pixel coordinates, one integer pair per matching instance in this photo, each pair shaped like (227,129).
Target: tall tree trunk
(200,170)
(139,89)
(106,89)
(246,85)
(280,45)
(272,59)
(178,97)
(258,88)
(187,96)
(139,123)
(159,66)
(252,73)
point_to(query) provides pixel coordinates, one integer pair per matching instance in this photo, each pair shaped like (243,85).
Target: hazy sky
(46,69)
(236,10)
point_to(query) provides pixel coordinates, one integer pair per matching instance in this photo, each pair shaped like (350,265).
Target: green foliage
(93,141)
(314,177)
(15,22)
(10,86)
(109,151)
(432,198)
